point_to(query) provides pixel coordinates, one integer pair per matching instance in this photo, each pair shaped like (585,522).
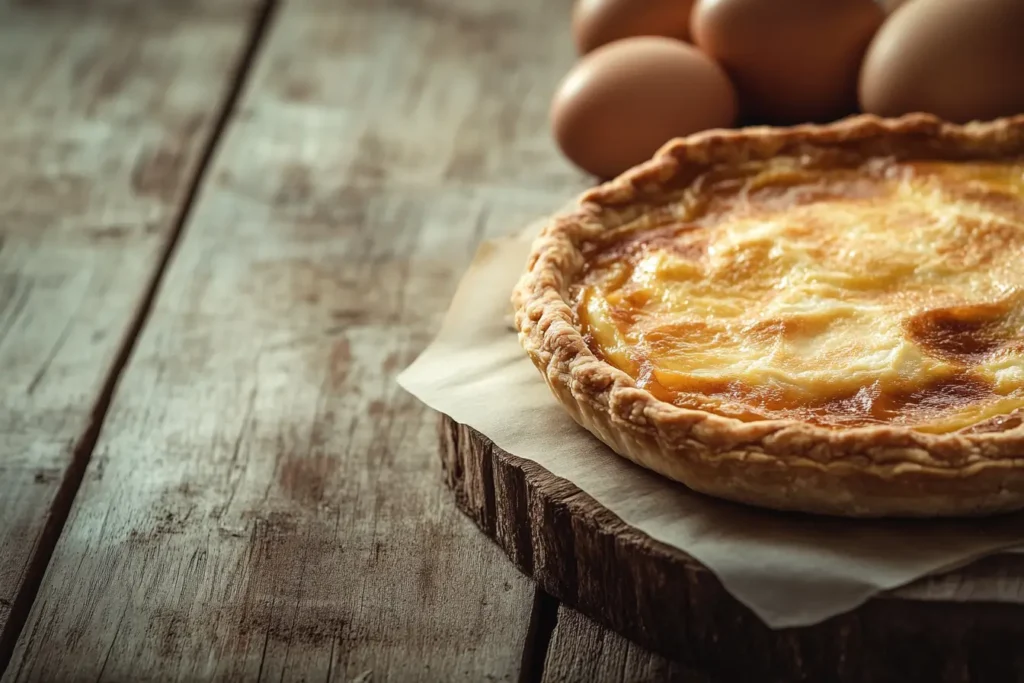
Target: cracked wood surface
(582,651)
(106,111)
(263,501)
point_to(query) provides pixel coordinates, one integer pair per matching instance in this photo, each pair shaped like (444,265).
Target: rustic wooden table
(225,226)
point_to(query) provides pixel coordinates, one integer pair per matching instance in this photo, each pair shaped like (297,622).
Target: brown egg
(792,61)
(597,22)
(961,60)
(621,102)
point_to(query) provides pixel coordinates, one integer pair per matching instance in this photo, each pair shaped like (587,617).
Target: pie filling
(885,292)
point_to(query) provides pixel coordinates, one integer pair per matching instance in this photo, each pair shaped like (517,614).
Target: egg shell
(792,61)
(623,101)
(959,60)
(599,22)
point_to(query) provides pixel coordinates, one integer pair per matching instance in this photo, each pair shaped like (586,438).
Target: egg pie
(818,318)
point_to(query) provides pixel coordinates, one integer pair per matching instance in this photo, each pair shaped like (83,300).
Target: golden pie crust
(827,319)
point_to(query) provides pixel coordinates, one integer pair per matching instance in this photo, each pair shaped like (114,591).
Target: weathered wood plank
(271,504)
(105,115)
(582,651)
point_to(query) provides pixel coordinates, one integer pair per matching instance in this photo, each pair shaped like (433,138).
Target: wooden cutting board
(965,625)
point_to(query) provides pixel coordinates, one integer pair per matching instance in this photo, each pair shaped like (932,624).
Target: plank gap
(543,620)
(82,451)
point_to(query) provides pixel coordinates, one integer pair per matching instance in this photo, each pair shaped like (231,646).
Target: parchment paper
(791,570)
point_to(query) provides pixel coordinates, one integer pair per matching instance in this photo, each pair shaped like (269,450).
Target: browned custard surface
(886,292)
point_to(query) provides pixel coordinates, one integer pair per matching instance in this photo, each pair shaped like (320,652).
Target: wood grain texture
(270,505)
(583,651)
(105,115)
(587,557)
